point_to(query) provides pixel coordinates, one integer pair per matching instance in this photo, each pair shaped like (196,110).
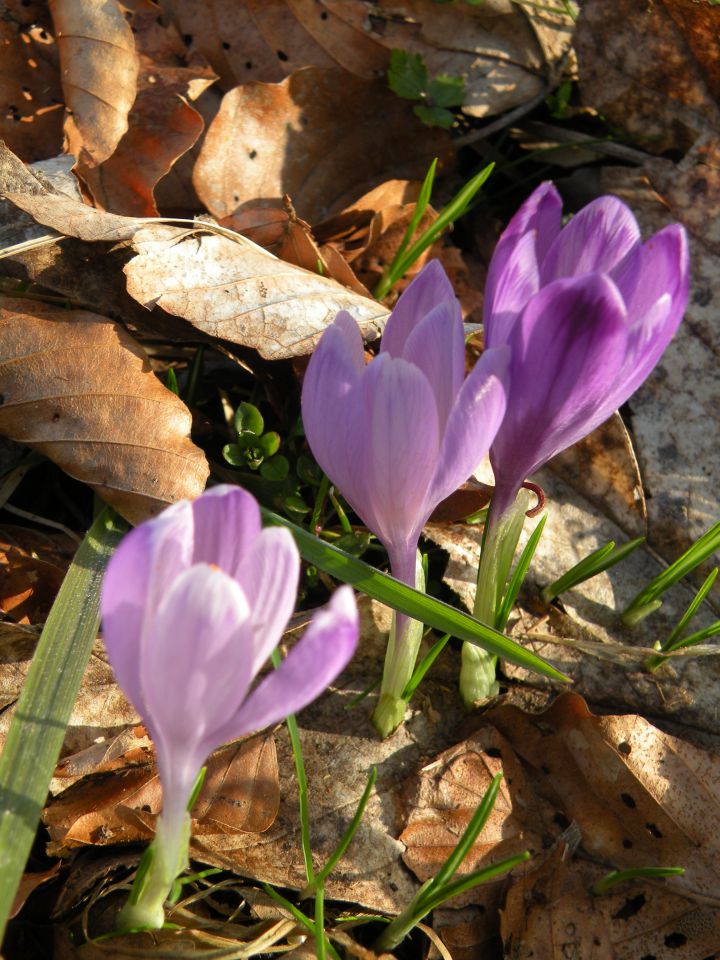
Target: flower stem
(500,540)
(164,860)
(402,651)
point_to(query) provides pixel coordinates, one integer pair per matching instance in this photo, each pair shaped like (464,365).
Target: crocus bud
(399,435)
(587,310)
(193,603)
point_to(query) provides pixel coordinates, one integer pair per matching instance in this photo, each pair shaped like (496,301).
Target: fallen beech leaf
(269,140)
(98,75)
(31,110)
(235,291)
(269,39)
(505,53)
(467,499)
(651,68)
(162,125)
(119,801)
(639,796)
(29,581)
(85,396)
(603,467)
(30,882)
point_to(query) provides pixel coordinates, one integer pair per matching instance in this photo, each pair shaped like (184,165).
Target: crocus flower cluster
(586,311)
(400,434)
(193,603)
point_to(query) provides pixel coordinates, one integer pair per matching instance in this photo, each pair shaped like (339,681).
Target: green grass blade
(700,636)
(422,668)
(37,730)
(419,606)
(519,574)
(647,599)
(674,641)
(596,562)
(470,835)
(474,879)
(345,840)
(615,877)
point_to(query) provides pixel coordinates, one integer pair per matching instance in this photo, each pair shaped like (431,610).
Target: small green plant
(590,566)
(408,78)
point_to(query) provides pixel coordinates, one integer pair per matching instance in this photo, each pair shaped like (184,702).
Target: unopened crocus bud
(587,310)
(193,603)
(401,434)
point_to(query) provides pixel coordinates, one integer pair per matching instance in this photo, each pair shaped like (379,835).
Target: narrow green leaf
(675,641)
(615,877)
(422,668)
(520,572)
(171,381)
(699,636)
(419,606)
(706,545)
(37,730)
(407,75)
(596,562)
(459,886)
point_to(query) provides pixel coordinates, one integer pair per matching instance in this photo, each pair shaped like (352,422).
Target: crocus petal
(539,218)
(139,574)
(651,270)
(426,291)
(437,347)
(512,288)
(567,349)
(318,657)
(400,440)
(219,510)
(335,368)
(194,666)
(269,575)
(596,239)
(472,425)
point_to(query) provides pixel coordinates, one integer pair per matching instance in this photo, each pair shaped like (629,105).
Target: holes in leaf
(252,154)
(628,800)
(627,844)
(324,15)
(493,752)
(561,820)
(248,64)
(675,940)
(281,55)
(187,39)
(631,907)
(225,45)
(624,748)
(653,830)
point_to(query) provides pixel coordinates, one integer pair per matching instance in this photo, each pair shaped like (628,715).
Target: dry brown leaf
(30,882)
(321,136)
(604,469)
(236,291)
(31,110)
(78,388)
(162,124)
(98,71)
(31,571)
(652,68)
(119,800)
(506,53)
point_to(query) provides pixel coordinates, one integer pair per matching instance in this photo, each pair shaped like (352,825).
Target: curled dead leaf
(321,136)
(98,71)
(233,290)
(78,388)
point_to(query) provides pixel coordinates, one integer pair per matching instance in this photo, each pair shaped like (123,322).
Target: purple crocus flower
(587,310)
(193,603)
(399,435)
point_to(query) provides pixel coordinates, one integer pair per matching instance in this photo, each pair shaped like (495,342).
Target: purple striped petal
(319,656)
(220,509)
(139,574)
(437,347)
(426,291)
(596,240)
(567,350)
(511,289)
(269,575)
(196,668)
(400,444)
(473,423)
